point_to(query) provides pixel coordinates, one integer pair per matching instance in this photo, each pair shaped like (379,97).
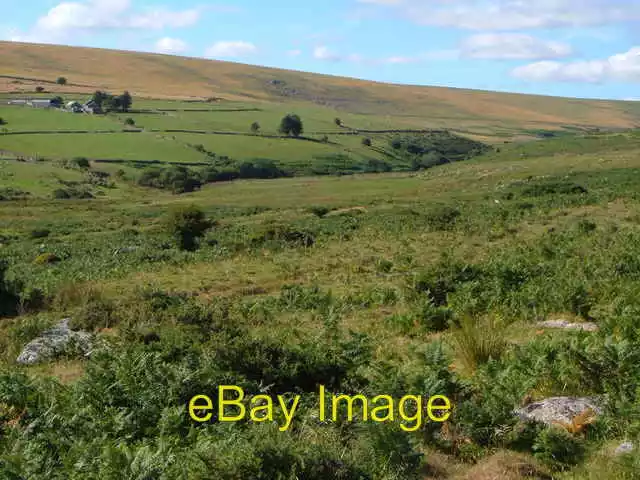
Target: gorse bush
(72,193)
(187,224)
(558,449)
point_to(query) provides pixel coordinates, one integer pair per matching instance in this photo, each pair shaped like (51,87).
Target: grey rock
(566,325)
(54,342)
(558,409)
(626,447)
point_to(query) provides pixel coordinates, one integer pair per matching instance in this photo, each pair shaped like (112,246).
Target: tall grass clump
(476,341)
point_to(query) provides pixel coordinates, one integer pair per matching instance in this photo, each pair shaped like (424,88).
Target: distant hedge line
(180,179)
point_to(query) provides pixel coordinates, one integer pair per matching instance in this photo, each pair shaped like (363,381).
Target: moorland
(199,252)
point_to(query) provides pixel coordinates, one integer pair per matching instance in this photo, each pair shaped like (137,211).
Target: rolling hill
(480,113)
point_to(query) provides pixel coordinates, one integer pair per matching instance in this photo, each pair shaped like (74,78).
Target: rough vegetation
(435,280)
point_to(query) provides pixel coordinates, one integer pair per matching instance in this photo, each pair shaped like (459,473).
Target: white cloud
(170,45)
(514,14)
(623,67)
(231,49)
(67,18)
(512,46)
(396,60)
(294,53)
(323,53)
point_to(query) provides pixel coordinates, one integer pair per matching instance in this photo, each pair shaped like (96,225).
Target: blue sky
(578,48)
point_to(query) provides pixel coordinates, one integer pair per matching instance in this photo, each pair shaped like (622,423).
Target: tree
(130,122)
(113,103)
(366,142)
(291,125)
(255,127)
(57,101)
(338,122)
(81,162)
(126,101)
(39,89)
(61,81)
(2,121)
(100,98)
(187,224)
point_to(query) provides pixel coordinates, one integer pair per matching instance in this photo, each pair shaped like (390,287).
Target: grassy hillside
(396,283)
(431,279)
(27,65)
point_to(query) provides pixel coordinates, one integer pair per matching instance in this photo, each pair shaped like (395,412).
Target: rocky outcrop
(54,342)
(566,325)
(558,409)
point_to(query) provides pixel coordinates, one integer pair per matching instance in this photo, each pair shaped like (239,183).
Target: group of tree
(181,179)
(290,124)
(113,103)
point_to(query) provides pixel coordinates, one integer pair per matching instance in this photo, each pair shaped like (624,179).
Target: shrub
(71,193)
(8,297)
(338,122)
(130,121)
(187,225)
(283,235)
(366,142)
(434,318)
(2,121)
(211,175)
(374,165)
(40,233)
(558,449)
(10,193)
(80,162)
(319,211)
(587,226)
(442,217)
(176,178)
(260,168)
(255,127)
(61,81)
(95,314)
(39,89)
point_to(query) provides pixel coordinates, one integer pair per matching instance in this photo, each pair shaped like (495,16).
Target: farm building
(88,107)
(41,103)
